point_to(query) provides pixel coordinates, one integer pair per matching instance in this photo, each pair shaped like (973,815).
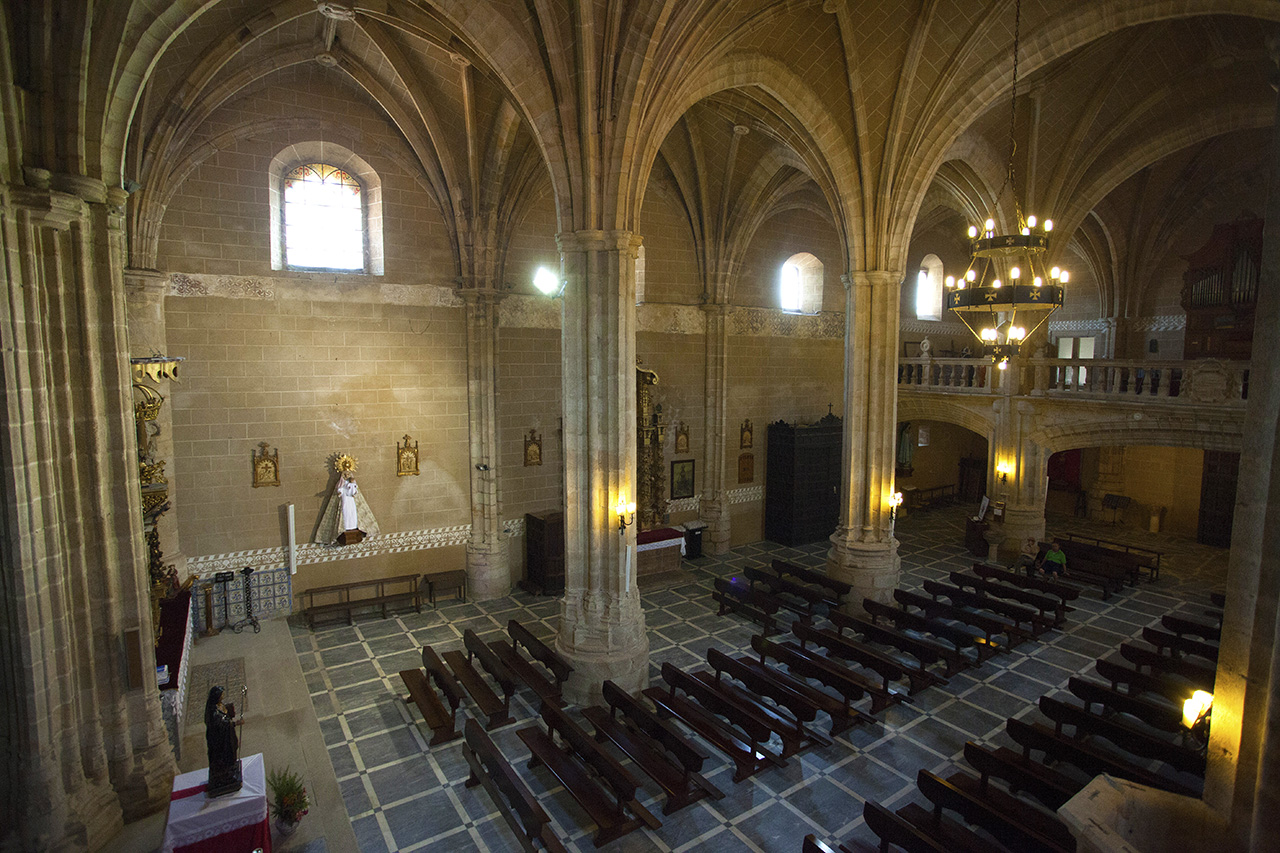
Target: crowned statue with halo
(347,518)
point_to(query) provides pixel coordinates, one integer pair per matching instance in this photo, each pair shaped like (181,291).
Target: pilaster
(714,508)
(602,629)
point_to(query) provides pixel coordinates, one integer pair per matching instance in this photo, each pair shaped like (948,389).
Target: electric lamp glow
(1194,709)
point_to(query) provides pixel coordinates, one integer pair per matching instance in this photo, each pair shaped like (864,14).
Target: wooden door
(1218,497)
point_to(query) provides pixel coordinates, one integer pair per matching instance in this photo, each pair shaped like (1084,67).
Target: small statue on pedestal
(224,746)
(347,518)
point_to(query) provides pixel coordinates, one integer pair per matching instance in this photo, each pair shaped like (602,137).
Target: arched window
(929,289)
(800,284)
(326,210)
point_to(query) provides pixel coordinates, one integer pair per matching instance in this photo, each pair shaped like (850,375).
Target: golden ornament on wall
(682,437)
(344,463)
(406,457)
(266,467)
(532,449)
(744,442)
(148,408)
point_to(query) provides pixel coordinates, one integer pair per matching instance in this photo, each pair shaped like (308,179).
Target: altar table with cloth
(232,823)
(659,550)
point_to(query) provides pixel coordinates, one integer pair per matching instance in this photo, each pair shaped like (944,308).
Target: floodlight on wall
(1006,294)
(547,282)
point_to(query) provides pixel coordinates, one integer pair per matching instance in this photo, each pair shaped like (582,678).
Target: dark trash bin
(693,539)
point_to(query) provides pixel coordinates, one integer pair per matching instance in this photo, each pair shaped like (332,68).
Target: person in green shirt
(1055,561)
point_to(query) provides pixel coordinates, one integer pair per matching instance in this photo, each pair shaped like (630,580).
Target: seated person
(1027,559)
(1055,561)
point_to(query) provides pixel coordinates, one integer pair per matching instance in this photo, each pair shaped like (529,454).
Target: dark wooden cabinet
(802,481)
(544,553)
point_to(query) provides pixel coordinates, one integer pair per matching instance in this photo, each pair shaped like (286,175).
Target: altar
(659,550)
(234,823)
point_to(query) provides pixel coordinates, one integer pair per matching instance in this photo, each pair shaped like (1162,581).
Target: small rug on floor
(228,673)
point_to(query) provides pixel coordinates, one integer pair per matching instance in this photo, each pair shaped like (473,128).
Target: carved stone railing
(1202,382)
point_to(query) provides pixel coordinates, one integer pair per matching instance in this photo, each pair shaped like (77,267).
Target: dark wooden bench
(837,673)
(1089,564)
(610,802)
(960,639)
(1139,558)
(1160,715)
(897,831)
(343,598)
(1064,592)
(442,720)
(927,652)
(669,758)
(1140,682)
(1182,645)
(842,714)
(1090,759)
(1015,615)
(469,676)
(1198,675)
(746,706)
(739,598)
(1051,609)
(547,690)
(837,645)
(1191,627)
(518,807)
(740,747)
(918,499)
(804,601)
(813,845)
(1125,735)
(800,708)
(991,627)
(1016,823)
(838,591)
(1047,785)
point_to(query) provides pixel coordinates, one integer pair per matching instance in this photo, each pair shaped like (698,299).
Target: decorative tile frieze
(684,504)
(1162,323)
(770,322)
(1096,325)
(529,312)
(746,495)
(670,319)
(306,286)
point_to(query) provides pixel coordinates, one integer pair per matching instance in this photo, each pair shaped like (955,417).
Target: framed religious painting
(746,467)
(681,479)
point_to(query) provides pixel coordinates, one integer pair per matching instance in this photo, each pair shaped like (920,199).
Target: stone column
(714,509)
(488,549)
(602,629)
(81,750)
(1024,491)
(864,551)
(145,292)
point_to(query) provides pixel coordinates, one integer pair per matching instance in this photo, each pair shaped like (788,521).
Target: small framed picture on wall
(682,479)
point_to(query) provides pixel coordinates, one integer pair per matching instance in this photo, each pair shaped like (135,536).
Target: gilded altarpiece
(651,463)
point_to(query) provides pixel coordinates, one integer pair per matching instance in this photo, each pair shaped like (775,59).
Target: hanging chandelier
(1006,294)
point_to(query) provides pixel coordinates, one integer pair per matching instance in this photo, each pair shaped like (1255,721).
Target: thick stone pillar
(714,509)
(864,551)
(81,749)
(488,549)
(602,629)
(1023,490)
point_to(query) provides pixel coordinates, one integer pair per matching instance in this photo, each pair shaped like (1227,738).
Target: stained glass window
(323,219)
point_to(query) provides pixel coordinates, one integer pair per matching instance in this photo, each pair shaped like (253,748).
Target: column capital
(873,278)
(716,309)
(474,296)
(143,281)
(597,240)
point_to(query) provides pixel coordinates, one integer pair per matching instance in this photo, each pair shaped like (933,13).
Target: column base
(1021,523)
(874,569)
(715,539)
(1112,815)
(146,779)
(488,569)
(603,641)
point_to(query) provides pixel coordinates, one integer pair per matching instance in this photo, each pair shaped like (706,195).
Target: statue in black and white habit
(220,737)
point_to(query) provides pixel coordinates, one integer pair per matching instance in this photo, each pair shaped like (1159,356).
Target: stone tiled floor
(402,795)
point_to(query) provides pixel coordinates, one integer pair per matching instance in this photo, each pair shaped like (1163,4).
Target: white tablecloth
(196,817)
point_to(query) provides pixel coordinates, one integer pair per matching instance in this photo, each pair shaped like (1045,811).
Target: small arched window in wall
(929,289)
(800,286)
(326,210)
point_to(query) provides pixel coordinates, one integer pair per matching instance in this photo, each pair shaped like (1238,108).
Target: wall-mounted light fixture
(1196,710)
(547,282)
(895,501)
(625,509)
(1004,469)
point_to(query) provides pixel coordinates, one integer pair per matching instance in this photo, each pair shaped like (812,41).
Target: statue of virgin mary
(347,518)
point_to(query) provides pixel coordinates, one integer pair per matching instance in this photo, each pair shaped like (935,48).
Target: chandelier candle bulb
(1031,221)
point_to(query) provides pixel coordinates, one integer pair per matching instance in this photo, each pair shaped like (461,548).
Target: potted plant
(288,799)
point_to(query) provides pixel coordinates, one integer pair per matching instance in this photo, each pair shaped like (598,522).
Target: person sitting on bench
(1055,561)
(1027,559)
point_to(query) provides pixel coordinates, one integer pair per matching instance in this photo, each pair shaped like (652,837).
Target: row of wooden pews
(1129,726)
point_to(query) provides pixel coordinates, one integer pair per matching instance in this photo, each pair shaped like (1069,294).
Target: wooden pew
(835,672)
(669,758)
(1218,599)
(1051,608)
(927,652)
(607,804)
(959,638)
(441,719)
(756,606)
(838,591)
(546,690)
(1191,627)
(798,705)
(791,732)
(497,710)
(343,598)
(1133,558)
(1128,737)
(1013,822)
(932,609)
(842,712)
(1141,682)
(1159,715)
(1005,611)
(1087,566)
(1183,645)
(804,601)
(740,747)
(897,831)
(1064,592)
(540,651)
(813,845)
(1022,774)
(1090,759)
(518,807)
(887,668)
(1198,675)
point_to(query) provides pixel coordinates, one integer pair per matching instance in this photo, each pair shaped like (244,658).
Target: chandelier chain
(1009,179)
